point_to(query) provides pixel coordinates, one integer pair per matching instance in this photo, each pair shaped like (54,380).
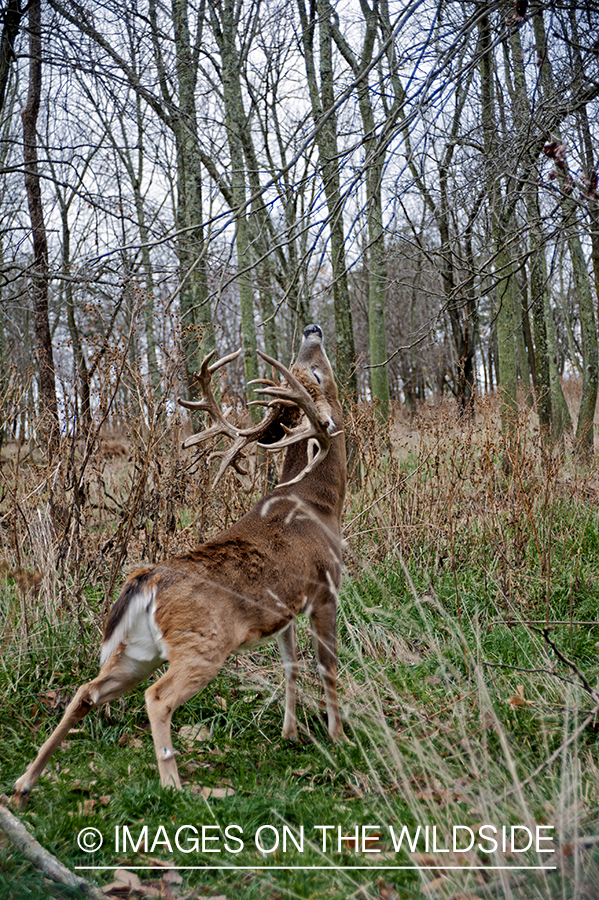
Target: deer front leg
(324,631)
(287,641)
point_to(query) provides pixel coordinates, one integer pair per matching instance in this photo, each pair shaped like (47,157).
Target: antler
(241,437)
(319,427)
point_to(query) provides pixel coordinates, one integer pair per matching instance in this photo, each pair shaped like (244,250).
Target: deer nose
(313,329)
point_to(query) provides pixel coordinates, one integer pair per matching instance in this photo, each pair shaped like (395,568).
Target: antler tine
(221,425)
(223,360)
(295,393)
(204,377)
(229,457)
(298,394)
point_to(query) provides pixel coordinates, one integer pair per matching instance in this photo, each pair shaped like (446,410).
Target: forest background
(421,179)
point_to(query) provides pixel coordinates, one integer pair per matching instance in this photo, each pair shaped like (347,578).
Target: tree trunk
(377,287)
(538,301)
(225,33)
(463,326)
(197,329)
(261,230)
(84,424)
(590,170)
(591,177)
(12,23)
(523,334)
(4,373)
(322,103)
(590,378)
(374,153)
(49,428)
(506,325)
(506,321)
(584,441)
(144,237)
(466,371)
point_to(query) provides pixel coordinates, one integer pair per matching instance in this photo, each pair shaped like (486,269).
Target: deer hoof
(20,798)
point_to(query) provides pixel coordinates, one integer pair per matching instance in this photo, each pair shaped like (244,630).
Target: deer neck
(324,487)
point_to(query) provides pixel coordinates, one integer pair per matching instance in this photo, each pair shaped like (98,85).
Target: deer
(247,585)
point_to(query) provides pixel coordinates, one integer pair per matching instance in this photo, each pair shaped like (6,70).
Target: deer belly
(256,636)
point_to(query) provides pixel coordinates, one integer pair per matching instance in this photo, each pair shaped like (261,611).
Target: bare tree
(318,19)
(39,270)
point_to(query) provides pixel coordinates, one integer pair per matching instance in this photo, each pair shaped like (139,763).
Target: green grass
(457,709)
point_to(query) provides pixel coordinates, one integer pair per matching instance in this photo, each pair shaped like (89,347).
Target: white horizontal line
(373,867)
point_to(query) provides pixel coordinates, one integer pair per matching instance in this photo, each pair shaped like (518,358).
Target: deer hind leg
(287,641)
(323,620)
(116,676)
(183,680)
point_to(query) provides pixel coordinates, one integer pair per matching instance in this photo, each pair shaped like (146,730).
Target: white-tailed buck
(248,584)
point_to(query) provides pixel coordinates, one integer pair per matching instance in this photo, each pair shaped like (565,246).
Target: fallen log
(39,857)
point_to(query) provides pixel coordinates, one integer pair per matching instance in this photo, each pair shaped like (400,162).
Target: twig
(591,840)
(16,832)
(569,663)
(531,671)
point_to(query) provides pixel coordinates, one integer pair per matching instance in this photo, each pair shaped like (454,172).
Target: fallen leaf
(194,733)
(373,840)
(433,885)
(216,793)
(461,896)
(159,863)
(125,882)
(83,787)
(171,876)
(518,699)
(127,877)
(53,699)
(149,889)
(127,740)
(387,890)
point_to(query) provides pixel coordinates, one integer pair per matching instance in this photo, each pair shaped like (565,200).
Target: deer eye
(316,375)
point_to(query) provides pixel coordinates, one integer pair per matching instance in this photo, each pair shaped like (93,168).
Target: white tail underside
(138,634)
